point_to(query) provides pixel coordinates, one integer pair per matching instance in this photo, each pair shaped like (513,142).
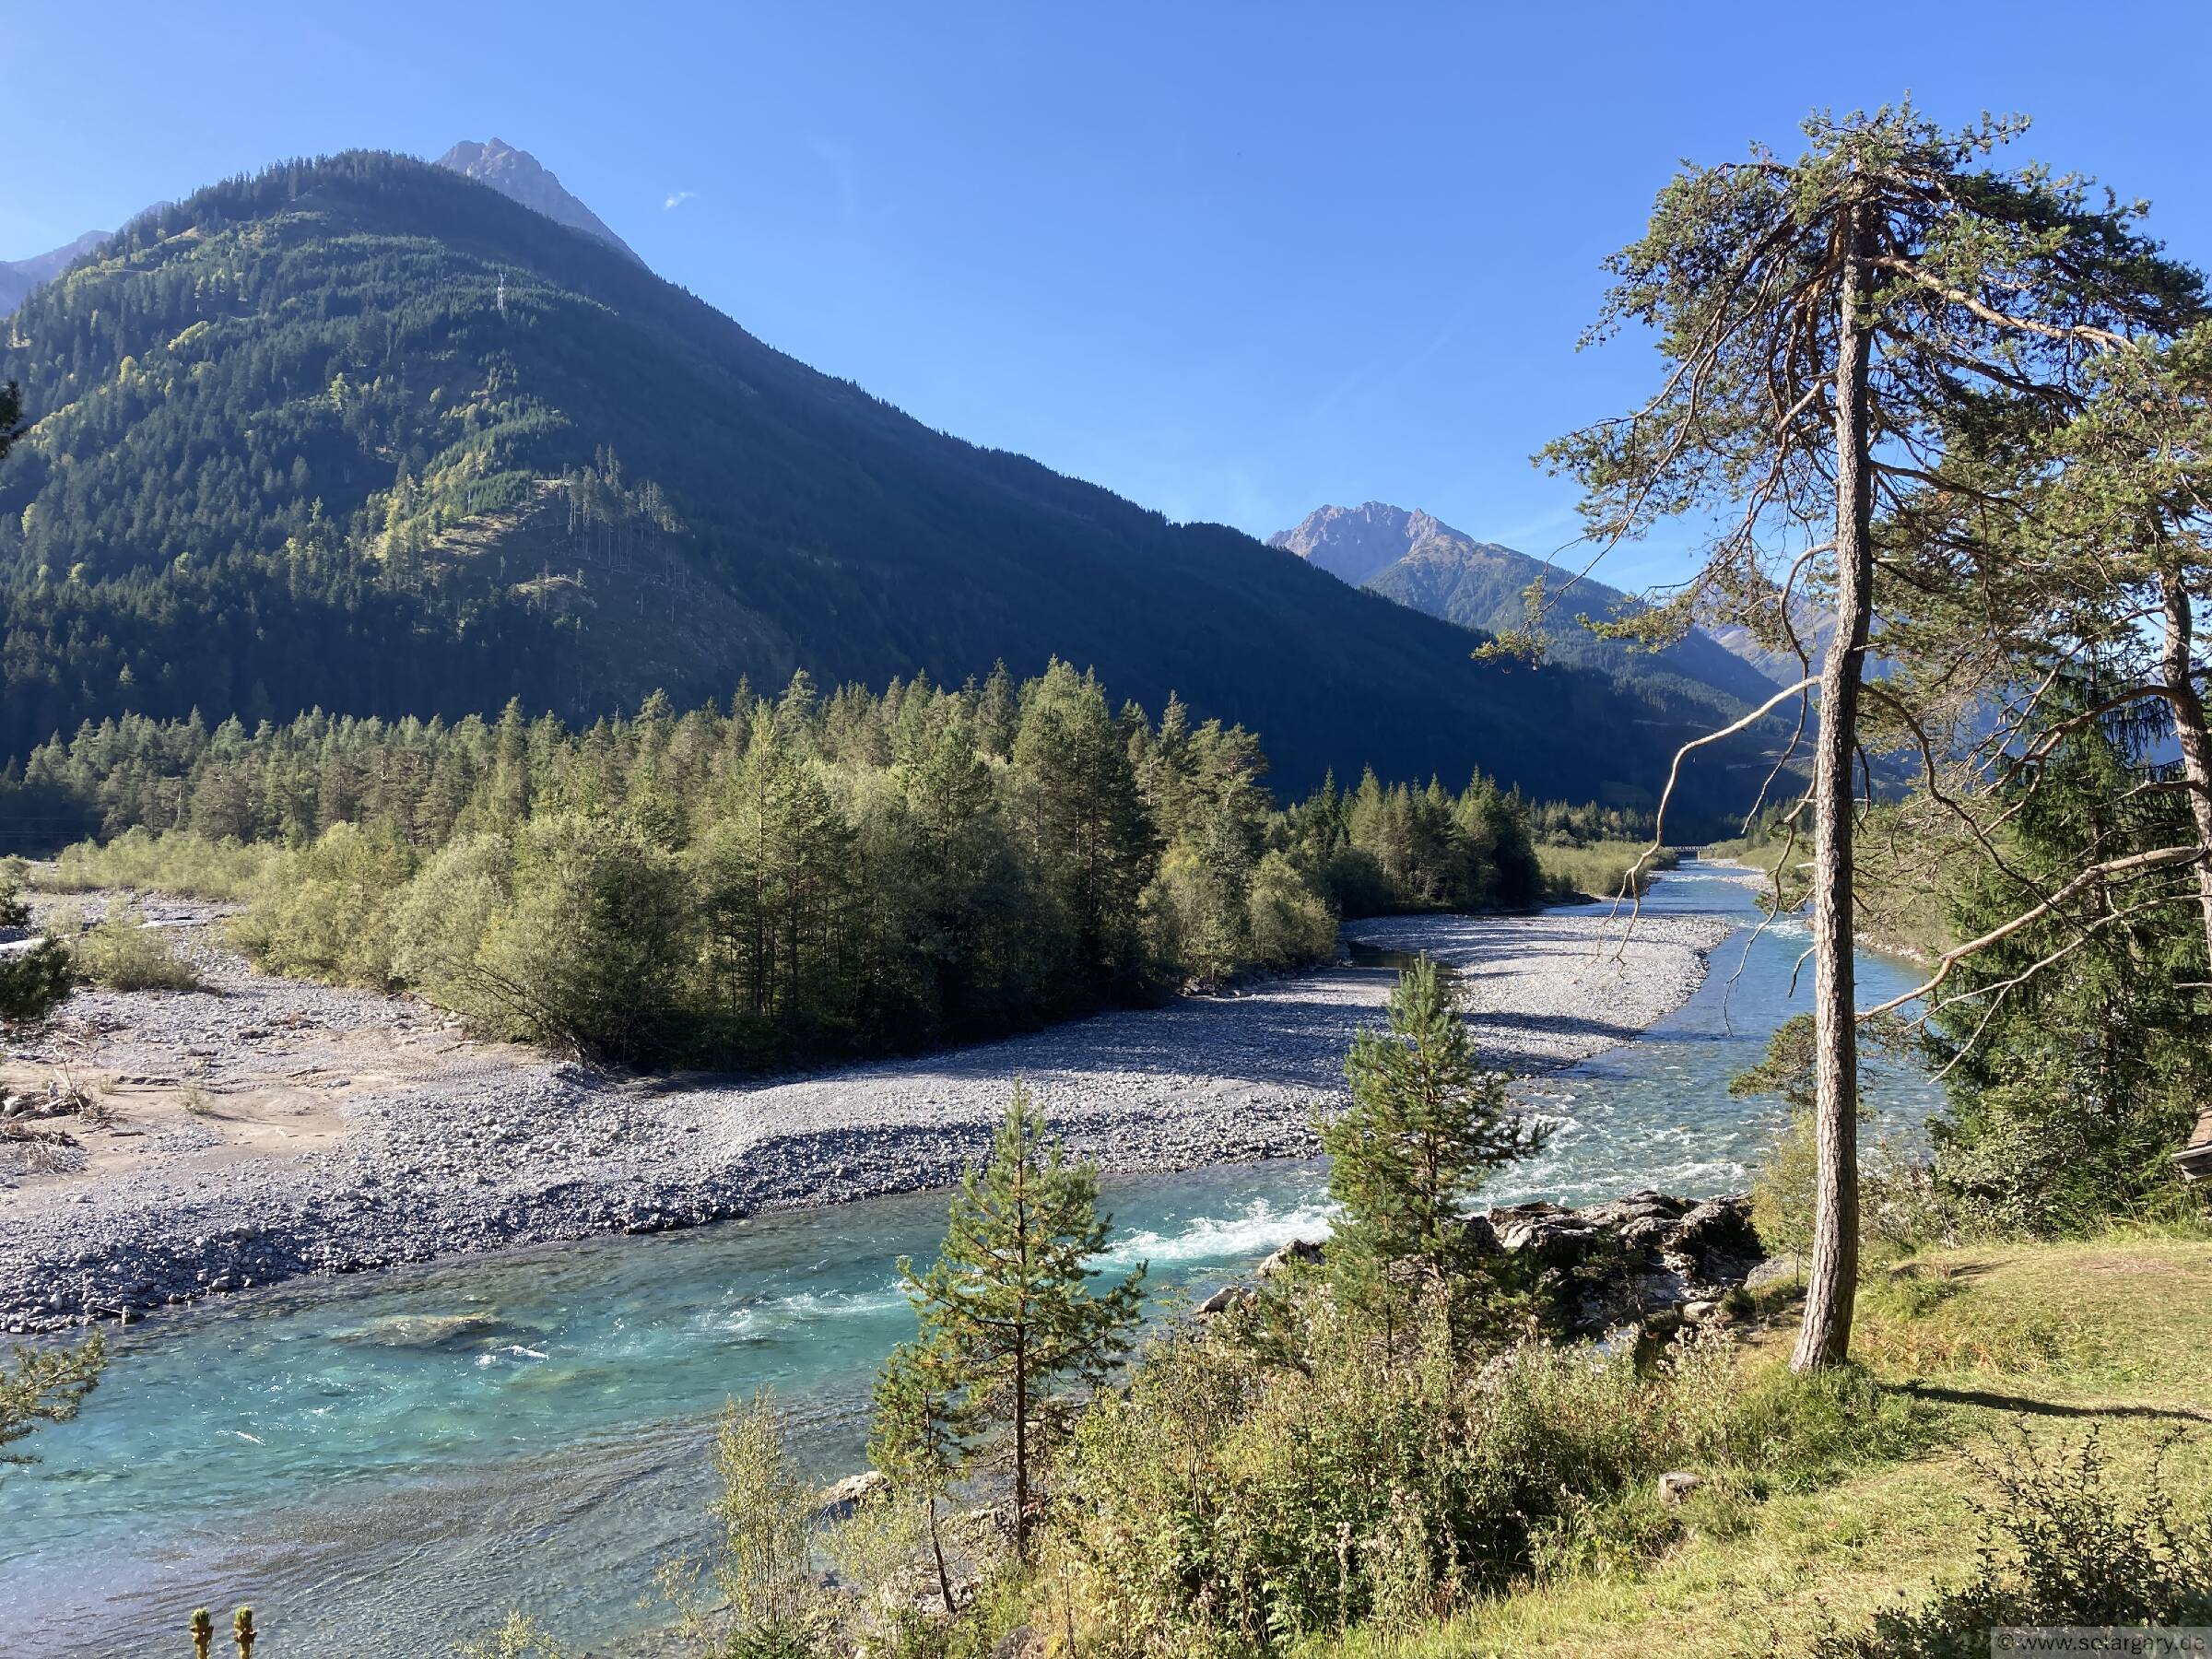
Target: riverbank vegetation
(1606,869)
(34,980)
(804,874)
(1331,1464)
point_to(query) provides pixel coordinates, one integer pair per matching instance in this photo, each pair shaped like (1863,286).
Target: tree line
(797,874)
(341,435)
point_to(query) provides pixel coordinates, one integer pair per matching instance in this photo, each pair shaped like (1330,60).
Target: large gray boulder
(1640,1259)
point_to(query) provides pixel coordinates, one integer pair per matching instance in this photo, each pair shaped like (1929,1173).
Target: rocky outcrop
(1297,1249)
(841,1500)
(518,175)
(1649,1259)
(1635,1259)
(1355,542)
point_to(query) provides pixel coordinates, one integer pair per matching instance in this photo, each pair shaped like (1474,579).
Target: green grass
(1758,854)
(2044,1341)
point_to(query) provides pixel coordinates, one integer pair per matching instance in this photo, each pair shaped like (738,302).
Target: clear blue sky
(1231,261)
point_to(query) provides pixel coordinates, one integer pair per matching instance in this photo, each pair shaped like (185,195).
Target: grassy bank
(2024,1351)
(1757,851)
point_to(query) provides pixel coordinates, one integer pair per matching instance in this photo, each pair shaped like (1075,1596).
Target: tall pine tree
(1831,326)
(1009,1300)
(1426,1127)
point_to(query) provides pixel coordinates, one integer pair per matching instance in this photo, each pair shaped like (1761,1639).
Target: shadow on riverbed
(1289,1034)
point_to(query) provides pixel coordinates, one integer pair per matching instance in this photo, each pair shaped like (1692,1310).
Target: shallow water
(383,1463)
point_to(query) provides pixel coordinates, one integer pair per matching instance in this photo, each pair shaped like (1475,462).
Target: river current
(387,1463)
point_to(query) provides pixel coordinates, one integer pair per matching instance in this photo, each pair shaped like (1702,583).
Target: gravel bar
(334,1130)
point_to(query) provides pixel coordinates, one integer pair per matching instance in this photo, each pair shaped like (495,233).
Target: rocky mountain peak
(519,177)
(1355,542)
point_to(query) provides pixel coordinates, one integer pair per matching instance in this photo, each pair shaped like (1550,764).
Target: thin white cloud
(677,198)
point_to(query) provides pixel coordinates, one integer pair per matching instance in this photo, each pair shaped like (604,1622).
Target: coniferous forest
(803,874)
(357,434)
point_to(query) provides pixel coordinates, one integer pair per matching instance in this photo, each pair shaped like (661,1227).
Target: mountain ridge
(1413,557)
(431,449)
(19,276)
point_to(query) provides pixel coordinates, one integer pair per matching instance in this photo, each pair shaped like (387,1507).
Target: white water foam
(1260,1228)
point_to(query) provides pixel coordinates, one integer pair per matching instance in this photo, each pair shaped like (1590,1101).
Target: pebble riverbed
(457,1146)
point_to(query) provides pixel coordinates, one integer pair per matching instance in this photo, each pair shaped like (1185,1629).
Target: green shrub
(1192,918)
(1237,1497)
(2065,1545)
(519,1638)
(592,951)
(35,981)
(175,861)
(123,954)
(767,1602)
(14,912)
(1356,884)
(440,922)
(1289,924)
(323,911)
(1601,869)
(2047,1152)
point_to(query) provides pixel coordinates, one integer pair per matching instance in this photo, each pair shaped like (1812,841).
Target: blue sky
(1231,261)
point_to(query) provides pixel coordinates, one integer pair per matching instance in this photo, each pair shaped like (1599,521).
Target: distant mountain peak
(18,277)
(1417,560)
(1356,543)
(519,177)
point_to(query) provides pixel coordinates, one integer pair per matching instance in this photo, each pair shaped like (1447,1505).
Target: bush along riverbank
(1377,1424)
(805,875)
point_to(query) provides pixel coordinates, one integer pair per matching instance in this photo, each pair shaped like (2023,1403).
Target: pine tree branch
(2133,864)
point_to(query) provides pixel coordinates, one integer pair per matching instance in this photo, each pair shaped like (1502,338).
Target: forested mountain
(1420,561)
(361,433)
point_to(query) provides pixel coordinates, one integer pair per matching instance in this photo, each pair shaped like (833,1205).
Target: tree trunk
(1021,1451)
(936,1548)
(2189,728)
(1832,1279)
